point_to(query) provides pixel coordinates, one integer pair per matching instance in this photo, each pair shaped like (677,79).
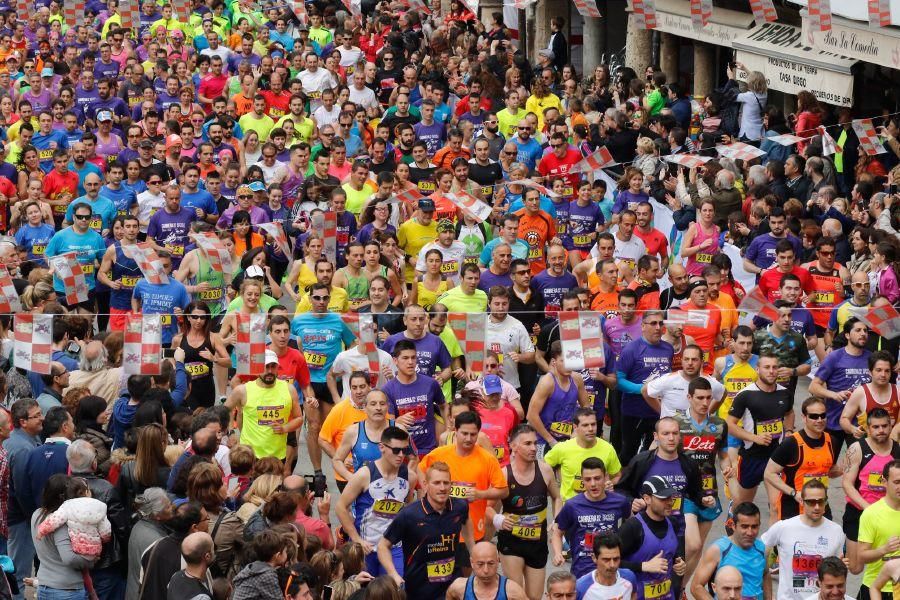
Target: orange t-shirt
(729,320)
(341,417)
(606,302)
(242,104)
(444,207)
(537,231)
(240,246)
(479,470)
(705,337)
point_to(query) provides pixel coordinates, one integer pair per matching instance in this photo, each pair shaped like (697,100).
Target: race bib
(704,258)
(657,589)
(215,294)
(315,360)
(524,532)
(449,267)
(418,411)
(772,426)
(535,253)
(676,506)
(175,249)
(805,565)
(387,507)
(581,240)
(39,249)
(129,282)
(499,452)
(823,298)
(822,478)
(562,428)
(269,415)
(196,369)
(60,209)
(709,483)
(440,570)
(591,399)
(165,319)
(578,484)
(460,489)
(97,224)
(427,186)
(875,482)
(87,269)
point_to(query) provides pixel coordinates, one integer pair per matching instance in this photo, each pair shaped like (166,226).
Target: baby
(86,517)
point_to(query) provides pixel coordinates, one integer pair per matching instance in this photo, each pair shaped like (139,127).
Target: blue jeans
(21,551)
(46,593)
(108,584)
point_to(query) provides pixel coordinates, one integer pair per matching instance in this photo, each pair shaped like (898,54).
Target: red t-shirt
(292,368)
(497,425)
(655,241)
(770,282)
(212,87)
(277,105)
(553,166)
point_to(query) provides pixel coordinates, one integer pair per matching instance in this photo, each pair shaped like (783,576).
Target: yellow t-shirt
(568,455)
(261,126)
(303,129)
(877,525)
(507,121)
(412,237)
(356,199)
(539,105)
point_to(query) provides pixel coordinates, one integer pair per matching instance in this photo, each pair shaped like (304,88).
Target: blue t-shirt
(34,240)
(519,250)
(529,153)
(842,371)
(86,170)
(104,212)
(123,198)
(48,144)
(519,203)
(200,199)
(161,299)
(322,338)
(88,246)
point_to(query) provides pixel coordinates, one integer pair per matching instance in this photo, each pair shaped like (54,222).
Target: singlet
(377,506)
(751,562)
(869,481)
(110,148)
(203,387)
(653,586)
(357,288)
(306,278)
(364,450)
(701,442)
(215,296)
(812,463)
(892,406)
(558,413)
(735,377)
(697,262)
(469,594)
(426,298)
(266,407)
(676,358)
(827,292)
(526,505)
(126,271)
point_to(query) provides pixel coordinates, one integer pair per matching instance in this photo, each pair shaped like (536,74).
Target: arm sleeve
(181,385)
(623,384)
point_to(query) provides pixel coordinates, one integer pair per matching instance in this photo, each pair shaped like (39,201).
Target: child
(241,459)
(86,517)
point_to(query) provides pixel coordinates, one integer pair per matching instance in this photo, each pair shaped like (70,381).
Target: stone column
(669,52)
(544,11)
(594,43)
(704,68)
(638,50)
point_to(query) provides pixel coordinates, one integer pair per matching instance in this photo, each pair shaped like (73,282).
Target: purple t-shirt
(85,98)
(171,231)
(671,471)
(562,219)
(627,200)
(801,322)
(583,221)
(618,334)
(39,102)
(553,288)
(840,371)
(581,520)
(639,361)
(761,251)
(422,398)
(431,353)
(433,135)
(489,280)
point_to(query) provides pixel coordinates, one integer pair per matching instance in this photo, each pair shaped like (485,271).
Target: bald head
(484,551)
(94,358)
(197,548)
(92,178)
(728,584)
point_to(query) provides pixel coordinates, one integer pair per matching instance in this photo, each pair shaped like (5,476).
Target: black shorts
(820,331)
(851,522)
(534,553)
(751,471)
(463,560)
(90,305)
(322,393)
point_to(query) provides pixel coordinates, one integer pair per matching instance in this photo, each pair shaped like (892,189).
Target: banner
(740,151)
(756,302)
(582,340)
(143,344)
(277,232)
(596,161)
(868,138)
(218,256)
(250,346)
(763,11)
(325,226)
(9,302)
(479,210)
(33,342)
(148,262)
(68,269)
(819,13)
(470,329)
(884,320)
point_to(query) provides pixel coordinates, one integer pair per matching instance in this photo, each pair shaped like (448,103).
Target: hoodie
(256,581)
(122,418)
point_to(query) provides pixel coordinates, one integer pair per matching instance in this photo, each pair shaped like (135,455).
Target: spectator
(90,417)
(163,559)
(154,509)
(193,580)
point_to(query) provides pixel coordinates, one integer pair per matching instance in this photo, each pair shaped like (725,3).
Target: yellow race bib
(440,570)
(657,589)
(562,428)
(129,282)
(269,415)
(315,360)
(774,427)
(215,294)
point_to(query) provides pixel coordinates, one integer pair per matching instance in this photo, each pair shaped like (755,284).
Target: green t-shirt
(261,126)
(568,455)
(456,301)
(655,102)
(447,336)
(265,303)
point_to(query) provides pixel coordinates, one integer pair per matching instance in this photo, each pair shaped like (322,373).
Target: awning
(674,16)
(780,53)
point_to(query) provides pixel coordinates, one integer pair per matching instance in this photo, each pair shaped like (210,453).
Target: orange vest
(813,463)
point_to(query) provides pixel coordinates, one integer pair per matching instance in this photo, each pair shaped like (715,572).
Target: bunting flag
(325,226)
(410,197)
(868,138)
(644,13)
(880,13)
(351,320)
(33,342)
(218,256)
(786,139)
(691,161)
(531,183)
(884,320)
(829,146)
(740,151)
(587,8)
(368,342)
(520,4)
(819,13)
(148,262)
(68,269)
(582,340)
(479,210)
(22,10)
(276,230)
(353,7)
(596,161)
(129,12)
(469,329)
(143,344)
(9,302)
(420,6)
(701,10)
(763,11)
(182,9)
(250,345)
(755,302)
(687,318)
(471,5)
(299,9)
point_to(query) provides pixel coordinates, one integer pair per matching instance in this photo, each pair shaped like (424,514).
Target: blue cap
(492,385)
(257,186)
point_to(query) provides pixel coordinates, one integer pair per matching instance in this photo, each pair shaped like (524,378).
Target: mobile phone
(168,353)
(326,592)
(73,348)
(892,189)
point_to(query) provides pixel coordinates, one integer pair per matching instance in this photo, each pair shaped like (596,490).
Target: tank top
(751,562)
(357,288)
(266,407)
(653,586)
(377,506)
(892,406)
(735,377)
(470,589)
(426,297)
(215,296)
(305,279)
(697,262)
(559,411)
(364,450)
(110,148)
(869,481)
(676,358)
(812,463)
(827,292)
(526,506)
(126,271)
(203,388)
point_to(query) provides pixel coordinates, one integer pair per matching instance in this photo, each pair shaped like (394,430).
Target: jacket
(42,462)
(102,444)
(227,532)
(143,535)
(121,420)
(256,581)
(158,563)
(102,490)
(130,488)
(634,475)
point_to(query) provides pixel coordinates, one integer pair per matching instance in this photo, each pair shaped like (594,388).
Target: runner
(879,392)
(120,273)
(669,393)
(879,530)
(607,581)
(568,456)
(552,408)
(486,583)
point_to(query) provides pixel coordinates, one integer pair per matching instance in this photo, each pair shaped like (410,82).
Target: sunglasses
(198,317)
(816,416)
(321,298)
(406,450)
(154,182)
(815,501)
(245,196)
(82,217)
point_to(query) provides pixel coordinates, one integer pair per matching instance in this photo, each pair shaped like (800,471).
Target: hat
(104,115)
(257,186)
(177,33)
(146,144)
(271,357)
(491,385)
(548,53)
(659,487)
(444,224)
(426,205)
(172,140)
(46,72)
(254,271)
(224,153)
(697,283)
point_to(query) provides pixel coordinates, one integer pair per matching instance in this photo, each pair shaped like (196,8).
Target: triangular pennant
(829,146)
(868,138)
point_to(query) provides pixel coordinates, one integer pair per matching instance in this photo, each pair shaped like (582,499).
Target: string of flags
(880,13)
(71,273)
(581,337)
(143,344)
(469,329)
(701,10)
(250,343)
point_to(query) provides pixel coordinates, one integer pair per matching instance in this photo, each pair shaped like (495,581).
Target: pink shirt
(316,527)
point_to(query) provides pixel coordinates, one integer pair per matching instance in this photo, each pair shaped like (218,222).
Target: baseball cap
(146,144)
(444,225)
(46,72)
(242,188)
(254,271)
(172,140)
(426,205)
(257,186)
(492,385)
(271,357)
(104,115)
(659,487)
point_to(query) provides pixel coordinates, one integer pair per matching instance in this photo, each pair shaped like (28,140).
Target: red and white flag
(325,226)
(829,146)
(687,318)
(218,256)
(250,345)
(410,197)
(147,261)
(644,13)
(740,151)
(786,139)
(143,344)
(596,161)
(880,13)
(299,9)
(756,302)
(530,183)
(819,13)
(277,232)
(701,10)
(520,4)
(469,329)
(129,13)
(868,138)
(479,210)
(68,269)
(763,11)
(884,320)
(9,298)
(33,342)
(417,5)
(354,8)
(587,8)
(691,161)
(368,342)
(582,340)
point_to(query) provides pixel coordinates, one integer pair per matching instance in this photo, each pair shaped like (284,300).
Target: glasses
(653,323)
(198,317)
(268,156)
(507,153)
(245,196)
(815,501)
(490,122)
(327,135)
(862,285)
(154,182)
(826,252)
(524,128)
(554,146)
(388,59)
(816,416)
(82,217)
(396,450)
(522,272)
(321,298)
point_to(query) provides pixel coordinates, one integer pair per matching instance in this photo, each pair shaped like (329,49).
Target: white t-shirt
(353,360)
(364,97)
(316,83)
(799,549)
(350,57)
(504,337)
(275,173)
(147,205)
(452,261)
(589,589)
(625,252)
(222,52)
(672,389)
(323,117)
